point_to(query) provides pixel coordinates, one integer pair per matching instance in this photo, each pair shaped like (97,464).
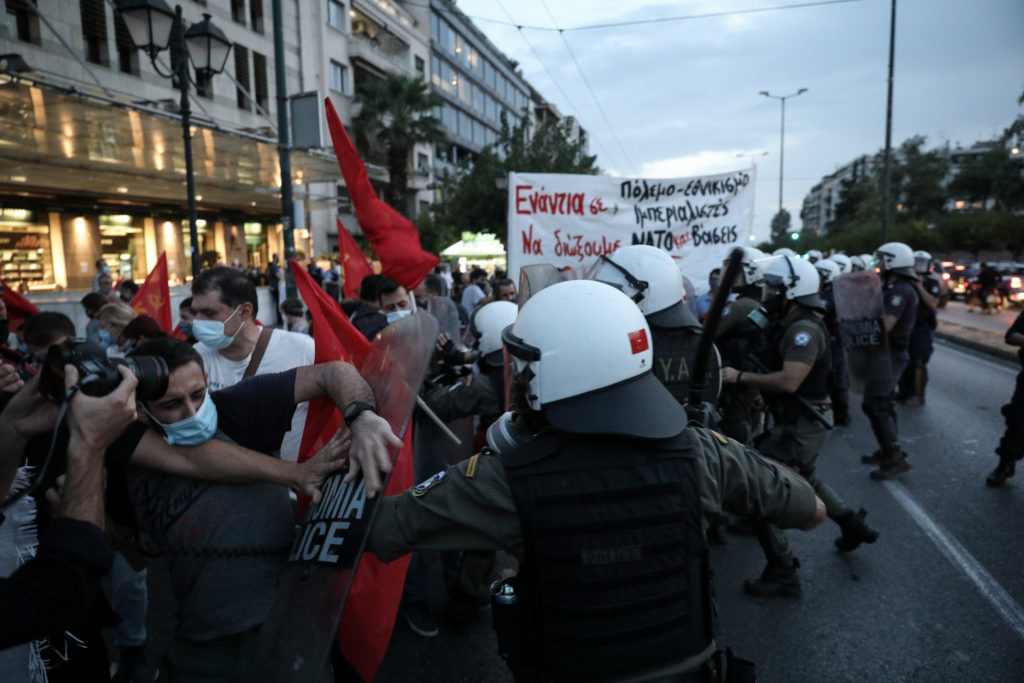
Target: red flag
(18,308)
(393,237)
(369,616)
(154,296)
(354,265)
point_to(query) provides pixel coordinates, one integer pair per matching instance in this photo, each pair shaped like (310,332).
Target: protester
(1011,445)
(112,319)
(185,317)
(92,303)
(475,290)
(705,300)
(367,316)
(101,269)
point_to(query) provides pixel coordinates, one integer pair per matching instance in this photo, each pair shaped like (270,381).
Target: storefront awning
(56,144)
(483,245)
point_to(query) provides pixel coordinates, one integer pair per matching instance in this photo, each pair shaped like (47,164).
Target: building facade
(819,207)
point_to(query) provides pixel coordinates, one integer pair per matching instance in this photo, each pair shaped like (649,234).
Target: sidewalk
(979,331)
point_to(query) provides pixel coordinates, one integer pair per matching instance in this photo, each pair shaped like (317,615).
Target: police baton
(800,399)
(695,407)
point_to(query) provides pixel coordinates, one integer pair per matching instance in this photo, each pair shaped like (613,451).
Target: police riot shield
(860,311)
(536,277)
(295,640)
(447,315)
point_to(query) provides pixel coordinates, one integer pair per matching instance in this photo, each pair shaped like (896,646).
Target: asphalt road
(960,313)
(938,598)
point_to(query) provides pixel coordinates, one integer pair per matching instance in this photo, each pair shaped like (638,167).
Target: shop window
(122,246)
(25,257)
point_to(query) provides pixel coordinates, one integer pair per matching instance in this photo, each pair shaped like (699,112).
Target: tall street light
(152,24)
(782,140)
(752,157)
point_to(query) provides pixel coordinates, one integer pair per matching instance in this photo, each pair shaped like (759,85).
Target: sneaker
(778,578)
(873,459)
(1003,471)
(891,468)
(855,531)
(420,619)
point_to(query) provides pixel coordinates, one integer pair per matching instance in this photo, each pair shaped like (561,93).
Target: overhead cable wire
(548,71)
(593,95)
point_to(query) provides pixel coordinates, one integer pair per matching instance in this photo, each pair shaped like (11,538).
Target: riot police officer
(797,390)
(1011,445)
(899,300)
(741,332)
(828,270)
(649,276)
(915,376)
(601,488)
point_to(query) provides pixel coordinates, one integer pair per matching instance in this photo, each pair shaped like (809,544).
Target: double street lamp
(782,140)
(152,24)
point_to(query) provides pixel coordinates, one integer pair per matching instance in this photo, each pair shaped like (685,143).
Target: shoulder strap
(257,353)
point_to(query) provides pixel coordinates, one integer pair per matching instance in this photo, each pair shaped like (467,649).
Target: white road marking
(989,588)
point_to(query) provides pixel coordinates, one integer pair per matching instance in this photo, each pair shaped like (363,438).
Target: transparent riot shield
(860,311)
(536,277)
(296,638)
(447,315)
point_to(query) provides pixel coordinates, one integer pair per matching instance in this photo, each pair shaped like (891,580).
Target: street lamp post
(782,137)
(151,25)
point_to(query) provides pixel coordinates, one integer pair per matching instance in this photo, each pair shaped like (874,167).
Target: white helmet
(797,278)
(896,257)
(783,251)
(814,255)
(858,263)
(581,352)
(841,260)
(751,265)
(650,277)
(487,324)
(923,262)
(827,270)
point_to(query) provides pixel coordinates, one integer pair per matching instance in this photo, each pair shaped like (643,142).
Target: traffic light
(794,236)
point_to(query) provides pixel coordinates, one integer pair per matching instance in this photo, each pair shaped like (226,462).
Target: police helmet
(649,277)
(784,251)
(581,354)
(827,270)
(813,255)
(923,262)
(841,260)
(858,263)
(796,278)
(750,263)
(896,257)
(487,323)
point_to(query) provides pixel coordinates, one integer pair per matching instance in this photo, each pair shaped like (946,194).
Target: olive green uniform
(470,505)
(740,405)
(474,395)
(797,442)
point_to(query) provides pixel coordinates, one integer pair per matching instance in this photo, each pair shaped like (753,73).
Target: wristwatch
(356,408)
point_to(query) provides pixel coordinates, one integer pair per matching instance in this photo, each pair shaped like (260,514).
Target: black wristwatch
(356,408)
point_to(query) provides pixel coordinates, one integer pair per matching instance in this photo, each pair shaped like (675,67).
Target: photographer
(54,590)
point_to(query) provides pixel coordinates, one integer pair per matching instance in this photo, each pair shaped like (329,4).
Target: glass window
(473,59)
(465,128)
(339,76)
(420,65)
(336,14)
(435,28)
(478,99)
(447,41)
(25,256)
(435,70)
(464,88)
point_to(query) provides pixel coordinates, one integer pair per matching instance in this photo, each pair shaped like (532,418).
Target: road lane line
(990,589)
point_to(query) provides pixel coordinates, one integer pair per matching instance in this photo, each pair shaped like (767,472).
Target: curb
(990,343)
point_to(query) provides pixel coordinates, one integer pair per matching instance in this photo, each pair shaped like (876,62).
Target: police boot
(873,459)
(892,465)
(855,530)
(1003,471)
(778,578)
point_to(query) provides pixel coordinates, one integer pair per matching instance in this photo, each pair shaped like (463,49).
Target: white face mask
(211,332)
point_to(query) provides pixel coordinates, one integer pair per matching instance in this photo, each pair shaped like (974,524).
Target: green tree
(780,229)
(397,113)
(917,178)
(471,199)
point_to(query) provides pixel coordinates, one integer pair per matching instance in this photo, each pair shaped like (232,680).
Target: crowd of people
(617,423)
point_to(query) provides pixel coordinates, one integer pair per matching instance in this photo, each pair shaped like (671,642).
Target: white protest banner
(570,220)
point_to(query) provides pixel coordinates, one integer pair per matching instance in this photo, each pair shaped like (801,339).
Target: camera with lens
(97,374)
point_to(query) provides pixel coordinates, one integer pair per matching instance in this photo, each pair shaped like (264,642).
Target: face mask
(194,430)
(211,332)
(104,338)
(397,315)
(186,328)
(106,269)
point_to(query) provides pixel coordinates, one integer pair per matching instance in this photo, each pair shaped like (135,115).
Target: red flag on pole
(369,616)
(393,237)
(18,308)
(154,296)
(353,264)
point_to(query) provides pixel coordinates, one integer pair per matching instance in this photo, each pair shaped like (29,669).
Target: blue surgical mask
(186,328)
(211,332)
(194,430)
(104,338)
(397,315)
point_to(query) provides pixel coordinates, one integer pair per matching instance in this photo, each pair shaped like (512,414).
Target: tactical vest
(675,354)
(615,571)
(817,386)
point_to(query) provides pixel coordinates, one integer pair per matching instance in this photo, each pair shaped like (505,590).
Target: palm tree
(398,112)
